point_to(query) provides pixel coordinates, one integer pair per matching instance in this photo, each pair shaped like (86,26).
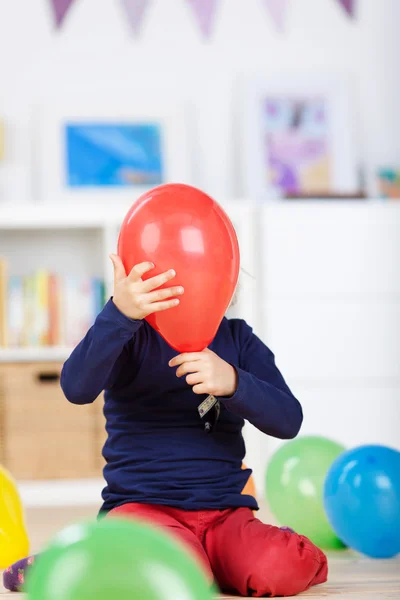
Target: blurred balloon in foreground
(362,500)
(294,486)
(179,227)
(119,560)
(14,543)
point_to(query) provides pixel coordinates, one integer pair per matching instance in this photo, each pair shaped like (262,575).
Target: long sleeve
(262,396)
(99,358)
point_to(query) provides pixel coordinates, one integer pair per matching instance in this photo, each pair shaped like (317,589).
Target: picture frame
(109,150)
(297,137)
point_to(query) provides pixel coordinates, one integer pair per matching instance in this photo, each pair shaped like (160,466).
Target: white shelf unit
(332,304)
(79,239)
(68,492)
(27,355)
(323,294)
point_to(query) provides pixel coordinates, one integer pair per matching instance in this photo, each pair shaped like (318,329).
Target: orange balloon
(250,487)
(179,227)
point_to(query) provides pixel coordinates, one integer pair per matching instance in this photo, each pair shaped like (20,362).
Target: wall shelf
(39,354)
(68,492)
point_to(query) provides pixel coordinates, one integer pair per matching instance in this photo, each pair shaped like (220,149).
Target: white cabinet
(331,292)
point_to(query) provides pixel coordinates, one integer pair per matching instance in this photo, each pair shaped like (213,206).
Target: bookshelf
(72,243)
(77,241)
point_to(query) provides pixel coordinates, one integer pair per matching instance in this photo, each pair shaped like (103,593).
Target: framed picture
(110,151)
(298,138)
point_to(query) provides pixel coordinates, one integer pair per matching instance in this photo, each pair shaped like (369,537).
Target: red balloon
(177,226)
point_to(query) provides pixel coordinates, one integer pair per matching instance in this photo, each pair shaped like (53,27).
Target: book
(15,311)
(55,311)
(98,297)
(3,303)
(46,309)
(29,337)
(77,313)
(42,307)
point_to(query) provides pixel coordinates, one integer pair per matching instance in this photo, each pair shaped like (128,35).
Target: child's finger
(163,294)
(194,379)
(188,367)
(160,306)
(155,282)
(200,388)
(138,270)
(119,269)
(186,357)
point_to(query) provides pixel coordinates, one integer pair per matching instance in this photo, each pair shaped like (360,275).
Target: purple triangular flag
(349,6)
(204,11)
(60,10)
(135,11)
(278,10)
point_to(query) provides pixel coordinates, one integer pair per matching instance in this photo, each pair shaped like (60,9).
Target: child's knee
(287,566)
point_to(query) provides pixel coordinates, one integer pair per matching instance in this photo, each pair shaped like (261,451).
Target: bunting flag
(60,10)
(278,10)
(349,6)
(204,11)
(135,11)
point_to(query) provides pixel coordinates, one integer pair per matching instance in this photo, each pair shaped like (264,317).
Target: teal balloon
(118,559)
(295,487)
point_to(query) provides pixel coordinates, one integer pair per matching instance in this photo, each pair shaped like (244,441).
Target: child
(162,466)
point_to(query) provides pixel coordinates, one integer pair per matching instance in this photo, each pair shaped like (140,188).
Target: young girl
(162,465)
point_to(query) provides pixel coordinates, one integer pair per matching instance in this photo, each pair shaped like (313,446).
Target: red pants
(244,556)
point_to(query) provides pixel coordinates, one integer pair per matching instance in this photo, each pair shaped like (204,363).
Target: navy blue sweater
(157,450)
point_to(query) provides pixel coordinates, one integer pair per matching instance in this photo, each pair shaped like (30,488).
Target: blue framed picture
(113,155)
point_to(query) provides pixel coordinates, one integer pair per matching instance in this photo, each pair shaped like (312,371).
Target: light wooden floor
(351,577)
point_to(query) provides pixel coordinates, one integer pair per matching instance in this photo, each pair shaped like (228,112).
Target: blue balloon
(362,500)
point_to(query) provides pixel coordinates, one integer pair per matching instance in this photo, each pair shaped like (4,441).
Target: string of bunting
(204,12)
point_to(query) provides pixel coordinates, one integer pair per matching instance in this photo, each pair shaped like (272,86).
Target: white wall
(95,49)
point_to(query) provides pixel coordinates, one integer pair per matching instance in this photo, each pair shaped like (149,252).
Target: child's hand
(206,372)
(136,298)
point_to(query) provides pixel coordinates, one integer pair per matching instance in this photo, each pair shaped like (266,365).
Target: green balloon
(118,559)
(294,486)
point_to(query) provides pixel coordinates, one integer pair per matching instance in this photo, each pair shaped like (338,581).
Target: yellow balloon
(14,543)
